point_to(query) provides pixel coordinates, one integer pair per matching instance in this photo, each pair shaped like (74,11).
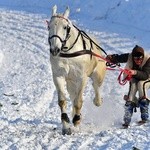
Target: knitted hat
(137,51)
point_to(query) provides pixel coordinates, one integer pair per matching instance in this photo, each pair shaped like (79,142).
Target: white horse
(70,67)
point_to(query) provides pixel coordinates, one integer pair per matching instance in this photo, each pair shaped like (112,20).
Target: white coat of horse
(69,68)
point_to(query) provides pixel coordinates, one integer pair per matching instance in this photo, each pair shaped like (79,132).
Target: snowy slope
(29,114)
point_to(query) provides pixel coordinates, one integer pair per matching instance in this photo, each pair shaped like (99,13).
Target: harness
(80,33)
(85,51)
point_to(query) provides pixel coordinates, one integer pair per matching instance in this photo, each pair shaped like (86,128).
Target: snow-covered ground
(29,114)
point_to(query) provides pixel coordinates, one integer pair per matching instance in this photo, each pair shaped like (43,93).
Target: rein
(91,41)
(122,71)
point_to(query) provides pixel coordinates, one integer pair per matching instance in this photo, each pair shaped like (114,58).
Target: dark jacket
(143,71)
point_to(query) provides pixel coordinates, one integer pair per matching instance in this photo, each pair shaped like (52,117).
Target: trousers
(140,86)
(142,101)
(129,108)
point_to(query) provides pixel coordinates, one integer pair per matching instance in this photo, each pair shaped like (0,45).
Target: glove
(109,57)
(126,97)
(132,72)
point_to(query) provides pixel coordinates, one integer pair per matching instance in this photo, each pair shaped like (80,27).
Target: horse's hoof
(76,120)
(66,131)
(98,102)
(77,123)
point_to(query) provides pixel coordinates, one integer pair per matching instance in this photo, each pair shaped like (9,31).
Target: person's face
(138,60)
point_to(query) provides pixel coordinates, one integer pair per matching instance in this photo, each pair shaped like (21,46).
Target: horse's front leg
(64,117)
(76,94)
(77,110)
(60,86)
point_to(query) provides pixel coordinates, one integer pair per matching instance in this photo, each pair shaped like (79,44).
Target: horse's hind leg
(60,85)
(97,77)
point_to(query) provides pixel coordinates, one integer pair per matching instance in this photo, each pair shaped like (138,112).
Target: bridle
(80,33)
(66,38)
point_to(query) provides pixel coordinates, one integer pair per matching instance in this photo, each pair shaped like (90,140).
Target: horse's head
(59,29)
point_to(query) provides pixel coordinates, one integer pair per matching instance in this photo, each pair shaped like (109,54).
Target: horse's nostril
(55,51)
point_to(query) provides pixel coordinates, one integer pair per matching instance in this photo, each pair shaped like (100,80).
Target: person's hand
(109,57)
(132,72)
(112,58)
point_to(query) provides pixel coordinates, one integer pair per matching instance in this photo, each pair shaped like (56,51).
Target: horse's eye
(65,27)
(48,28)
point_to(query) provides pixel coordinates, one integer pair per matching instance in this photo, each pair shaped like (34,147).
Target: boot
(125,126)
(142,122)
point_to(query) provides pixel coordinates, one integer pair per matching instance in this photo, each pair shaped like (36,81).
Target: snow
(29,113)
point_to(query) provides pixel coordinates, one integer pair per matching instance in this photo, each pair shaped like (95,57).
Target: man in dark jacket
(138,64)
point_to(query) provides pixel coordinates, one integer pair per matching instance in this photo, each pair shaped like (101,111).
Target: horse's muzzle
(55,52)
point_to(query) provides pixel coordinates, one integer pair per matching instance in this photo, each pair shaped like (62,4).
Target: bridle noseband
(56,36)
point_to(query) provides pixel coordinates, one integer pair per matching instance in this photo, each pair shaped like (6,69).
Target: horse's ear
(54,10)
(47,22)
(66,13)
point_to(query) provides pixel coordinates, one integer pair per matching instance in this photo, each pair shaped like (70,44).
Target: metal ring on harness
(127,78)
(112,65)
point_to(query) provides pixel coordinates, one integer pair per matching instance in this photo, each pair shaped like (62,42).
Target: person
(138,64)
